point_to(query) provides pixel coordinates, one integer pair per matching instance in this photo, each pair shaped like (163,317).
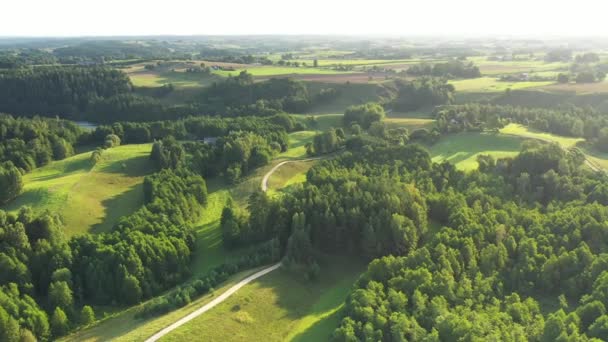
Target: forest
(379,179)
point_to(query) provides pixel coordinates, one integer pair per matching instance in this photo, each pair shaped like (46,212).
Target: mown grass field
(462,149)
(277,307)
(491,84)
(89,198)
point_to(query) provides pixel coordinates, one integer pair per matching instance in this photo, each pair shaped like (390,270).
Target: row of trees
(451,69)
(54,91)
(274,128)
(421,92)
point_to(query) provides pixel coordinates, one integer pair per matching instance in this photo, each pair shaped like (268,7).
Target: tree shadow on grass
(133,167)
(322,329)
(118,206)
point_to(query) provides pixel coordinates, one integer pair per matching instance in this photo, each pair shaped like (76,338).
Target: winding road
(237,286)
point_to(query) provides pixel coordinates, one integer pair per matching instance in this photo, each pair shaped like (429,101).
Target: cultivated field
(89,198)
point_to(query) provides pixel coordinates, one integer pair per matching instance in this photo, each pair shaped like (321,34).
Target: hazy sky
(398,17)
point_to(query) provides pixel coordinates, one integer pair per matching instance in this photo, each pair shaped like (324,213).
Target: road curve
(276,167)
(234,288)
(212,303)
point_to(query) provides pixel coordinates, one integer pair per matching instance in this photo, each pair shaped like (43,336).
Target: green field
(89,198)
(124,326)
(297,144)
(462,149)
(278,70)
(411,120)
(277,307)
(526,132)
(290,173)
(511,67)
(491,84)
(177,78)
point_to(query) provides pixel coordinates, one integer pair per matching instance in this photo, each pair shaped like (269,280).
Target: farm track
(276,167)
(234,288)
(212,303)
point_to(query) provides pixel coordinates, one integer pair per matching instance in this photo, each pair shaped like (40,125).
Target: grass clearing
(278,307)
(462,149)
(179,79)
(90,198)
(297,144)
(290,173)
(491,84)
(526,132)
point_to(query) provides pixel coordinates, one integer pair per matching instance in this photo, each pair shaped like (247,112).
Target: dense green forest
(515,249)
(503,239)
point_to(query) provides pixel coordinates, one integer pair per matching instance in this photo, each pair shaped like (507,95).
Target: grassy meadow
(277,307)
(462,149)
(89,198)
(526,132)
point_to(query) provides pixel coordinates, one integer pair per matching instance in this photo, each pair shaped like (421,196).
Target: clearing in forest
(89,198)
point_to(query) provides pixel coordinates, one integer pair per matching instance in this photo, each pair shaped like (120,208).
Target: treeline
(500,251)
(51,91)
(42,275)
(412,95)
(241,96)
(232,156)
(569,121)
(451,69)
(198,128)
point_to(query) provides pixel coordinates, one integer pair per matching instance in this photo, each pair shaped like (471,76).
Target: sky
(354,17)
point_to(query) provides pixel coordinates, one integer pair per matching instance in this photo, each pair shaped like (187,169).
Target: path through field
(212,303)
(236,287)
(276,167)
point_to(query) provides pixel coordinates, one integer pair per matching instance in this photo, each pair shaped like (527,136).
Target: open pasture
(89,198)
